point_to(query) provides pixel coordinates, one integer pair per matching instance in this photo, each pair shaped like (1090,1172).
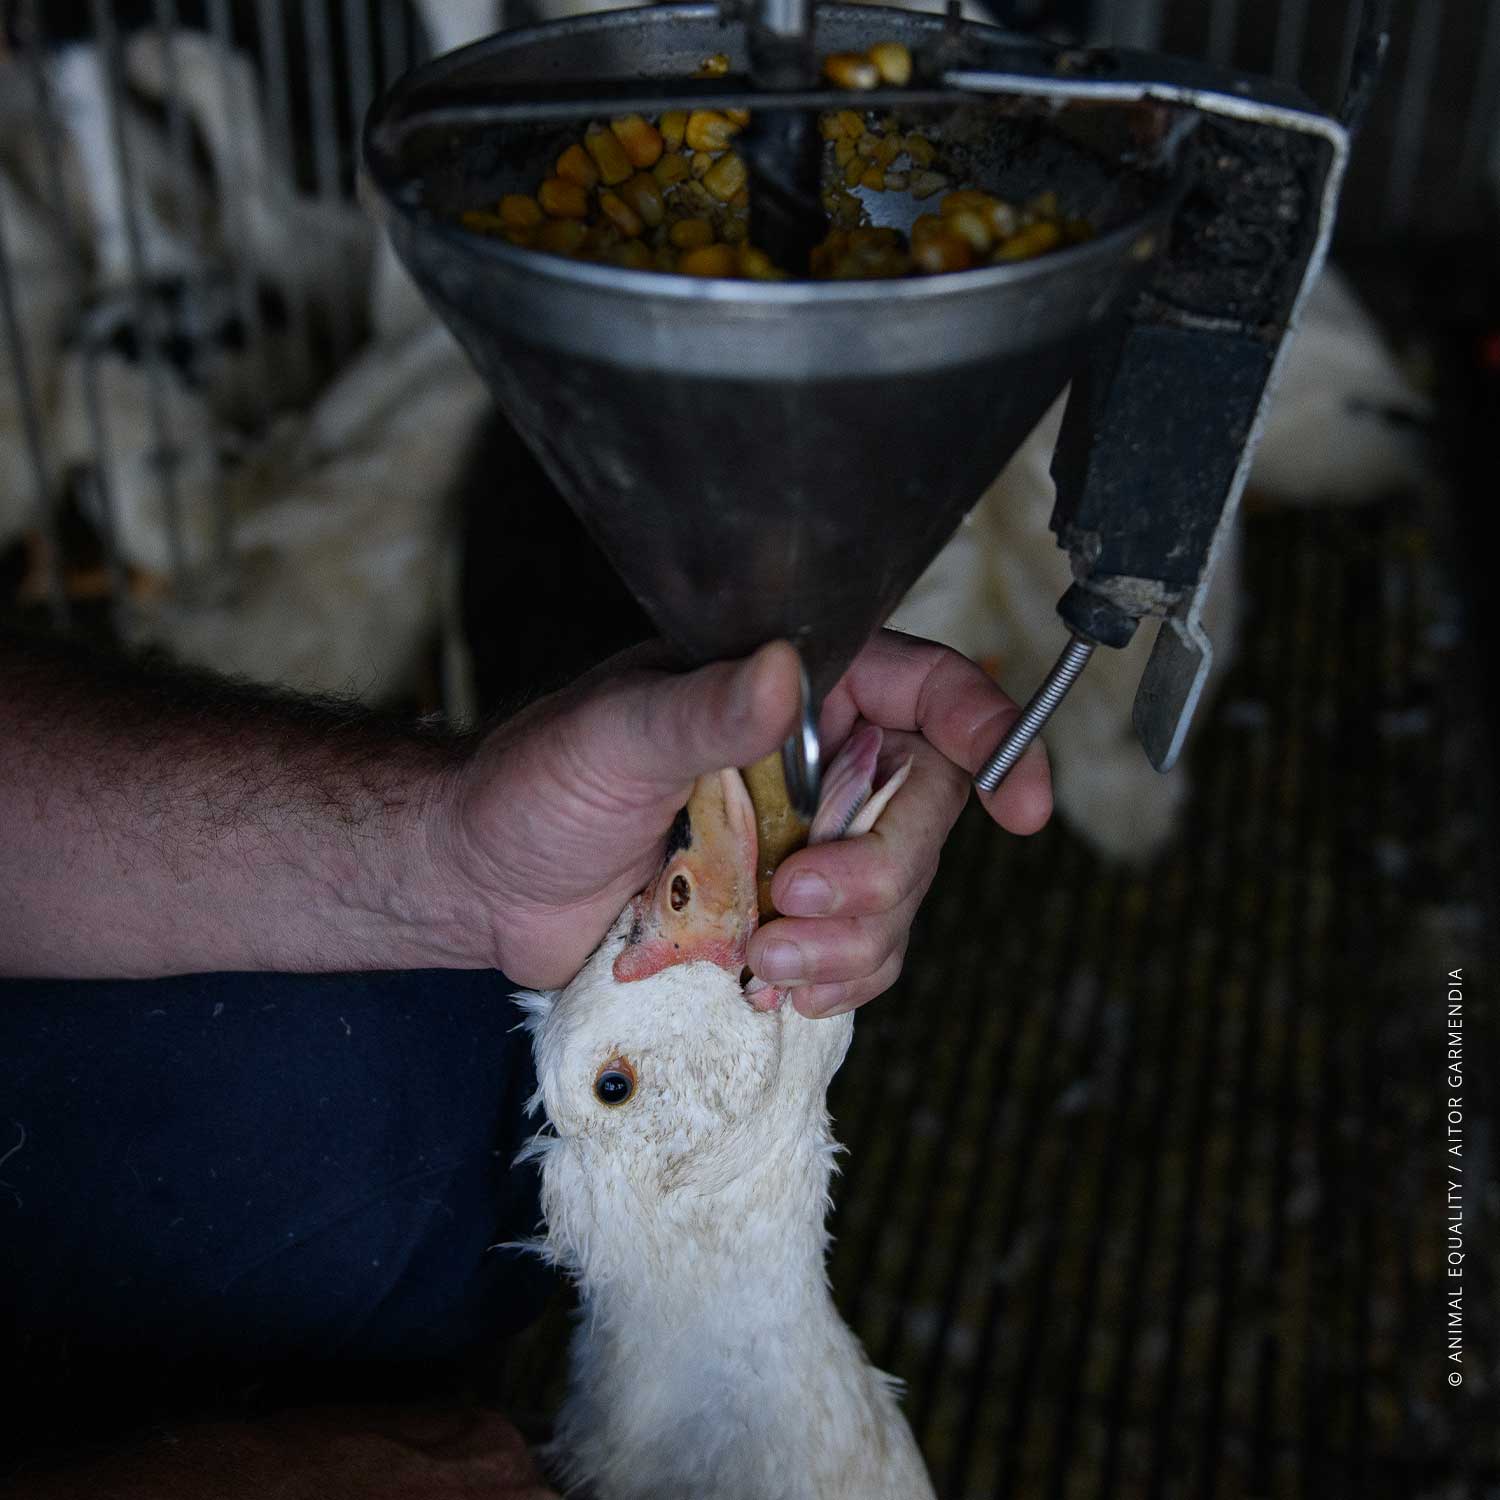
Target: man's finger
(888,866)
(905,682)
(673,727)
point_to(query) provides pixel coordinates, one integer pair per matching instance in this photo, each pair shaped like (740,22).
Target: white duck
(342,525)
(685,1176)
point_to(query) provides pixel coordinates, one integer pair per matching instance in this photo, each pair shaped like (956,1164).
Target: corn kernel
(926,226)
(633,255)
(609,156)
(520,211)
(641,140)
(921,151)
(702,161)
(852,123)
(966,200)
(561,236)
(691,234)
(1035,239)
(600,238)
(575,165)
(708,130)
(482,221)
(755,264)
(673,127)
(620,214)
(872,238)
(644,196)
(715,66)
(525,237)
(892,62)
(925,184)
(874,179)
(867,145)
(726,177)
(671,169)
(896,182)
(1002,219)
(888,149)
(740,117)
(843,151)
(854,171)
(970,226)
(734,230)
(709,260)
(829,127)
(1044,205)
(943,252)
(848,70)
(741,200)
(563,199)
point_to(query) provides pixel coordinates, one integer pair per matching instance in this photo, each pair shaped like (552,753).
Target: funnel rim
(1108,247)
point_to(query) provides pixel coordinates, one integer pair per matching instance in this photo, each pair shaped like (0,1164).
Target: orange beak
(702,907)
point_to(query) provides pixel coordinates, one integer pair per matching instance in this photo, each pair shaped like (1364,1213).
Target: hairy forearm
(157,822)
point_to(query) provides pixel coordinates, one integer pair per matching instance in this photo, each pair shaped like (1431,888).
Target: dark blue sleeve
(246,1170)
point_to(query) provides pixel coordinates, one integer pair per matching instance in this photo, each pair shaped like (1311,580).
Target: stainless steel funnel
(760,460)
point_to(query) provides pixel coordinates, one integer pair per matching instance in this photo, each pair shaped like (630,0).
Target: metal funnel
(759,460)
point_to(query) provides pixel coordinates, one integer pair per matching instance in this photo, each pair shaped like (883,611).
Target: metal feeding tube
(1043,704)
(782,148)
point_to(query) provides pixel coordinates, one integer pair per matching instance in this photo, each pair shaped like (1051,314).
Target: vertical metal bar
(1223,26)
(1411,112)
(188,195)
(1353,15)
(1484,107)
(234,231)
(49,131)
(1138,23)
(179,137)
(327,168)
(360,69)
(31,431)
(394,54)
(1291,27)
(156,400)
(279,137)
(319,72)
(274,74)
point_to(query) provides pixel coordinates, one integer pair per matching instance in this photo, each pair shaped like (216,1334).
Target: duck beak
(702,907)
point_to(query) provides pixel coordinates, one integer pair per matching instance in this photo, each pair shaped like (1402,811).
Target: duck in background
(1344,427)
(343,525)
(190,365)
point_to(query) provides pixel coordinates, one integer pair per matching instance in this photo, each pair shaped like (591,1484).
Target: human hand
(561,816)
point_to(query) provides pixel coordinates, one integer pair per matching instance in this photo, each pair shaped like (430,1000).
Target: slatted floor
(1144,1192)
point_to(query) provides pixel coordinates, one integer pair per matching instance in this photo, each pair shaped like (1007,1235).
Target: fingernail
(780,960)
(807,895)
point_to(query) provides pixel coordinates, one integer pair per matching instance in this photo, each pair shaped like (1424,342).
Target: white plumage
(709,1359)
(342,529)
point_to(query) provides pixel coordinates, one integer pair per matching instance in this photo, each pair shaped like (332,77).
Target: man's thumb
(725,714)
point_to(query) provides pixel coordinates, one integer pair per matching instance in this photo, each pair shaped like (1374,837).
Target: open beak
(702,907)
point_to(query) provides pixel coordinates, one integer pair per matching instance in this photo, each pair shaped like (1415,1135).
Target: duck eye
(681,892)
(615,1082)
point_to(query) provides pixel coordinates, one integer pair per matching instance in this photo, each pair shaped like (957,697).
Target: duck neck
(708,1275)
